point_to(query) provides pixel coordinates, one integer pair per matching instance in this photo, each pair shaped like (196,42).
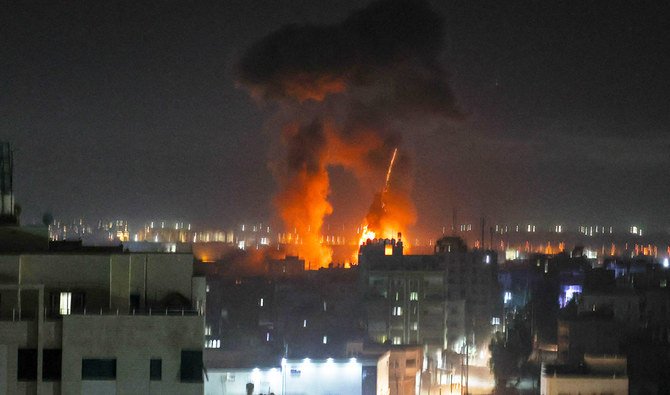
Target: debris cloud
(350,91)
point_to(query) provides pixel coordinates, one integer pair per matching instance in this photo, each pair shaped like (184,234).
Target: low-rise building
(399,371)
(349,376)
(602,375)
(103,323)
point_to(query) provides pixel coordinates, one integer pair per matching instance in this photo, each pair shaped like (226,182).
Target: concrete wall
(132,341)
(339,377)
(583,385)
(234,381)
(383,374)
(107,280)
(397,371)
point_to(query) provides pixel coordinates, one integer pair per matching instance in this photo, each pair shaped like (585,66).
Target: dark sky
(130,109)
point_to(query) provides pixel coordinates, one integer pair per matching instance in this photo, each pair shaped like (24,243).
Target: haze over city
(138,111)
(289,197)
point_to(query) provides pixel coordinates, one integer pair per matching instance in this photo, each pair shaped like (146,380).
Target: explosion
(348,93)
(390,214)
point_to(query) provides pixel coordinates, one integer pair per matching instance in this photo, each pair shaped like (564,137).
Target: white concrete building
(100,323)
(601,375)
(399,372)
(292,377)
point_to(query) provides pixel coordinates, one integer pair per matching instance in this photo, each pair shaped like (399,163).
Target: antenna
(7,208)
(491,237)
(453,222)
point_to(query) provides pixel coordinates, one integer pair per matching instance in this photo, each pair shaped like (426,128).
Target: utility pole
(483,227)
(462,367)
(467,357)
(491,238)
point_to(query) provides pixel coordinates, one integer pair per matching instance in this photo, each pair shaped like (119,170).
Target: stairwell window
(65,303)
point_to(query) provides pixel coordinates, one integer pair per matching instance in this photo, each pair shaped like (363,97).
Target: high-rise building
(447,300)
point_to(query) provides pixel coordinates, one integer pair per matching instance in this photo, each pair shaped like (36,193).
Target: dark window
(191,366)
(98,369)
(78,301)
(26,369)
(135,301)
(51,364)
(156,369)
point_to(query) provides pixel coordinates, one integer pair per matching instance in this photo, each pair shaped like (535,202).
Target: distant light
(666,263)
(329,360)
(306,360)
(507,297)
(352,360)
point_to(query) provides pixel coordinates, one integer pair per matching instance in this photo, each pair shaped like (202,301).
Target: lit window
(397,340)
(388,249)
(267,337)
(65,303)
(213,343)
(208,330)
(495,321)
(325,340)
(507,297)
(397,311)
(304,323)
(413,296)
(415,326)
(324,305)
(260,303)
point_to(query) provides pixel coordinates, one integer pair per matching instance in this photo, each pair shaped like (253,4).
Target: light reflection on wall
(306,376)
(568,293)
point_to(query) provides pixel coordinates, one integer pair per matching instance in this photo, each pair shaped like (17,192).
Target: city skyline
(134,111)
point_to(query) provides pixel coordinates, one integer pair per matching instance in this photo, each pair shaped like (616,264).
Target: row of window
(100,369)
(397,311)
(213,343)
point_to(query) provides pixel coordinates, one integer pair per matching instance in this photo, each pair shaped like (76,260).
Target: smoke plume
(346,88)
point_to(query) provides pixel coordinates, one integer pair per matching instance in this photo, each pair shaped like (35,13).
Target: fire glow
(346,95)
(383,221)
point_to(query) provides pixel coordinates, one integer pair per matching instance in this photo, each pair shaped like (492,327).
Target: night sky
(132,110)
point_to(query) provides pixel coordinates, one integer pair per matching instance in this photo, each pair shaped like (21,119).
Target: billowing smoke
(350,92)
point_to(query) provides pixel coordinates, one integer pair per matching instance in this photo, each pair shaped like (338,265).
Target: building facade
(104,323)
(442,301)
